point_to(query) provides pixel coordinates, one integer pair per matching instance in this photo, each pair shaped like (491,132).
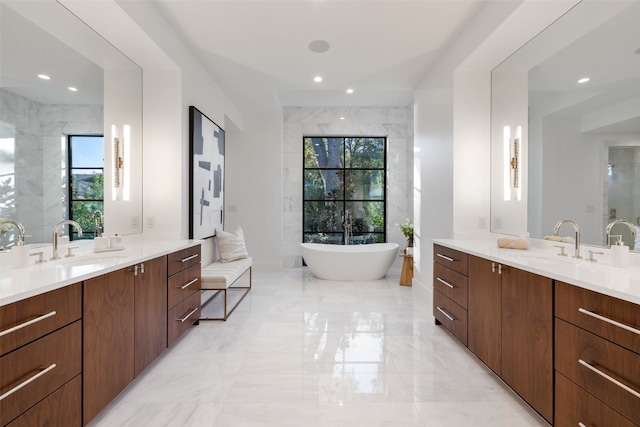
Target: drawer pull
(580,423)
(29,381)
(445,257)
(609,378)
(610,321)
(189,258)
(188,284)
(28,323)
(447,315)
(445,283)
(188,315)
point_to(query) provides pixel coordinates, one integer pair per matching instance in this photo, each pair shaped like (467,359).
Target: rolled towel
(560,239)
(513,243)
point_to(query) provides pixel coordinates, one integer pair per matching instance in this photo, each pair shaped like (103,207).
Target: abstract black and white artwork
(206,197)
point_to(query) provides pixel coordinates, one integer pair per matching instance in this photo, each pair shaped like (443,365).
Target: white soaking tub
(349,262)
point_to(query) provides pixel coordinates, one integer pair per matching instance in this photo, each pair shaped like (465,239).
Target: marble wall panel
(40,153)
(394,123)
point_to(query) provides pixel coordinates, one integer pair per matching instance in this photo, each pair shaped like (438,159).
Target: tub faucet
(97,221)
(556,229)
(55,235)
(346,225)
(619,221)
(17,225)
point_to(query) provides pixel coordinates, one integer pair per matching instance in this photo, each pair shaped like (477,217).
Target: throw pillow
(231,246)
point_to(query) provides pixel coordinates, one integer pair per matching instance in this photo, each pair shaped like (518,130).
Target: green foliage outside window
(344,178)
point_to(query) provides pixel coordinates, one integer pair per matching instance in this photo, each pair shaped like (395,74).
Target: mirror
(561,149)
(37,116)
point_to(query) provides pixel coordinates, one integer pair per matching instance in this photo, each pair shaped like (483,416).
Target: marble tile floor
(303,352)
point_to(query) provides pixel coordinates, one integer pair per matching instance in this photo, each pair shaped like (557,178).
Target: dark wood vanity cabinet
(508,315)
(450,290)
(183,292)
(485,312)
(150,311)
(41,359)
(597,359)
(124,329)
(527,337)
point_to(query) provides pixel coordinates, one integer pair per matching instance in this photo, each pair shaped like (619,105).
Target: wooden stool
(406,275)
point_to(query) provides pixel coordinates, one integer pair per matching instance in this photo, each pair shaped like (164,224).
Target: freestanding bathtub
(349,262)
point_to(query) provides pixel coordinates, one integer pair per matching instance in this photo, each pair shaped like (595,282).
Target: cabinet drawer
(575,407)
(61,408)
(182,284)
(603,315)
(183,316)
(183,259)
(450,258)
(48,362)
(600,367)
(451,315)
(451,283)
(46,312)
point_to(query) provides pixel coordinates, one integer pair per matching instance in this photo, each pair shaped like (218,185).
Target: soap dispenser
(19,255)
(620,253)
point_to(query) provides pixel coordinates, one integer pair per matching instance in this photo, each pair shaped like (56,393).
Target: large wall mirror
(92,90)
(566,126)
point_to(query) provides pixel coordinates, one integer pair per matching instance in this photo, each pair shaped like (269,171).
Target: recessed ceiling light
(341,118)
(317,79)
(44,76)
(73,89)
(584,80)
(349,91)
(319,46)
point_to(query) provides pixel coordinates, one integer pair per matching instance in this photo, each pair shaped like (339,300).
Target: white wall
(254,186)
(173,80)
(452,121)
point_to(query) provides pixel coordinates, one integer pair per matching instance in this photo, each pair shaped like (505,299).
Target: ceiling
(258,50)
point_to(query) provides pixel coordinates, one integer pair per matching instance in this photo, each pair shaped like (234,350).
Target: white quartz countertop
(20,283)
(541,258)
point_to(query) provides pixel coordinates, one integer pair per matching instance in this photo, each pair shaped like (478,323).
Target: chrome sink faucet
(619,221)
(17,225)
(556,229)
(55,234)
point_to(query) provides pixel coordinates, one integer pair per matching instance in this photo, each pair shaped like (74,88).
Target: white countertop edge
(622,283)
(134,252)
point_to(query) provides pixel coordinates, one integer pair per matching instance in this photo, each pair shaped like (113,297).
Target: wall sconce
(512,153)
(120,164)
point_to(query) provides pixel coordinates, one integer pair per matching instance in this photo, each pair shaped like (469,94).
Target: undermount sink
(531,259)
(93,259)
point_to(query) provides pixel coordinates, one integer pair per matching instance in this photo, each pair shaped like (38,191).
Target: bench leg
(226,310)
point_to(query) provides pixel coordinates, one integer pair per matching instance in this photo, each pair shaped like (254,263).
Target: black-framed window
(344,182)
(86,182)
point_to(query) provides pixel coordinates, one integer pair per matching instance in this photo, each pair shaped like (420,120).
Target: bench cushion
(219,275)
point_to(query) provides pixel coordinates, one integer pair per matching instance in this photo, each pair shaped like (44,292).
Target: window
(344,183)
(86,182)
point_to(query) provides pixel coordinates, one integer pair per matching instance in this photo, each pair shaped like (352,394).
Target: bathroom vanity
(562,333)
(75,332)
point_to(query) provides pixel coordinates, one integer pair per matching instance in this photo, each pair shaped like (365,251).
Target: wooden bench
(221,277)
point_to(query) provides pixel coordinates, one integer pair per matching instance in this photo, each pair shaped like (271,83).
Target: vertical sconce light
(120,163)
(512,152)
(506,162)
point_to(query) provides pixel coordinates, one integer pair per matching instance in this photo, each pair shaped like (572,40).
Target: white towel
(560,239)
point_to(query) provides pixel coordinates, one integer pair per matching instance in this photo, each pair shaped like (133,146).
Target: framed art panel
(206,176)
